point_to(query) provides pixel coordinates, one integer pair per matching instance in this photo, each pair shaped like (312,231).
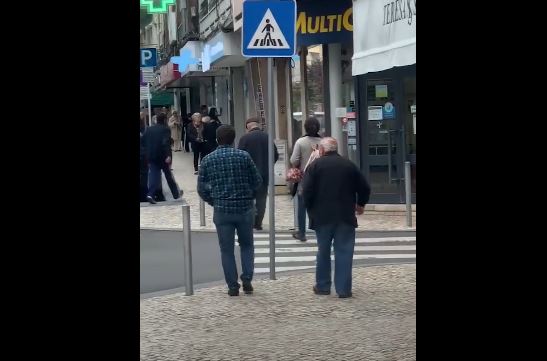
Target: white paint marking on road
(266,260)
(357,241)
(356,249)
(281,269)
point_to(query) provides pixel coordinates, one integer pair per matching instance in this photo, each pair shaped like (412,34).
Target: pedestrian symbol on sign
(267,41)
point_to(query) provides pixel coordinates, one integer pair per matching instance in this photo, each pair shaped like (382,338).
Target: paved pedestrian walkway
(284,320)
(168,215)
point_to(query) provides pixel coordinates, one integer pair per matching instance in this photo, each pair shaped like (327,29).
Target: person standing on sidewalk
(227,180)
(332,202)
(195,137)
(210,126)
(301,154)
(156,140)
(185,122)
(175,125)
(255,142)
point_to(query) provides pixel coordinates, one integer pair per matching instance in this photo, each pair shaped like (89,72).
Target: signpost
(268,31)
(149,59)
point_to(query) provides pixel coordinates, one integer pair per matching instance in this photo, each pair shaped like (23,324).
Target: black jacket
(256,144)
(156,141)
(332,186)
(210,135)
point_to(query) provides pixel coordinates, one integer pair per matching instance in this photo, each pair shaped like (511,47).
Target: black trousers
(261,196)
(199,153)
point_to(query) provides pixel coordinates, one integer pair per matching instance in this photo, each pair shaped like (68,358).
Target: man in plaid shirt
(228,180)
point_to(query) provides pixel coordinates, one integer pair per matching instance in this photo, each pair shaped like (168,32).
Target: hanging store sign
(323,22)
(384,35)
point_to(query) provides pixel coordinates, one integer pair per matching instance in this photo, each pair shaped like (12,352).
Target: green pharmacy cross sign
(157,6)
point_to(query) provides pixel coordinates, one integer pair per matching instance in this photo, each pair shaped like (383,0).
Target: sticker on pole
(269,28)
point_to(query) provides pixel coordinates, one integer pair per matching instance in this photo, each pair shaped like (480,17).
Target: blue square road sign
(149,57)
(269,28)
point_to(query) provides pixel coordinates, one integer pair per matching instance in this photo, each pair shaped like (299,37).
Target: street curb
(387,208)
(261,277)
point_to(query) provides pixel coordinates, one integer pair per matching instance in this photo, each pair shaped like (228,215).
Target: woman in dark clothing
(195,137)
(187,120)
(211,125)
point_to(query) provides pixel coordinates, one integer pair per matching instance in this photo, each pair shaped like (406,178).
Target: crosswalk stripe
(266,260)
(281,269)
(356,249)
(357,241)
(312,237)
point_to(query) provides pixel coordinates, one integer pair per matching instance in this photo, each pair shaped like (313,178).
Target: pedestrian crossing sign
(269,28)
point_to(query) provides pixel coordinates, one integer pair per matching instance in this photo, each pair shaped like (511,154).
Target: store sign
(211,52)
(189,57)
(384,35)
(157,6)
(323,22)
(168,73)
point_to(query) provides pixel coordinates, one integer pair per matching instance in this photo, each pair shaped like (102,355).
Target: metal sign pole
(271,161)
(149,106)
(408,191)
(187,247)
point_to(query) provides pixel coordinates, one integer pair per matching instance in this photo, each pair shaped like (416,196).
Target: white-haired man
(332,203)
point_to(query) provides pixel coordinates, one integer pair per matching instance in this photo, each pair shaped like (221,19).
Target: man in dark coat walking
(334,190)
(255,142)
(157,146)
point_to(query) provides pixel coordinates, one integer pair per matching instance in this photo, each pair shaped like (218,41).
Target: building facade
(355,70)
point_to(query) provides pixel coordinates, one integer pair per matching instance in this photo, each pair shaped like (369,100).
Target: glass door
(383,142)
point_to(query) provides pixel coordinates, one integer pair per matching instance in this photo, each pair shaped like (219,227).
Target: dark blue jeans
(154,179)
(343,236)
(301,215)
(226,225)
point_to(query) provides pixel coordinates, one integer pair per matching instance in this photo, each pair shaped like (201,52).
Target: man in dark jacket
(157,145)
(255,142)
(334,190)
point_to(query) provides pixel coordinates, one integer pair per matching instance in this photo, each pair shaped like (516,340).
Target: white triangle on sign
(268,35)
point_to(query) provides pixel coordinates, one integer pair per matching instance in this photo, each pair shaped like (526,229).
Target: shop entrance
(388,134)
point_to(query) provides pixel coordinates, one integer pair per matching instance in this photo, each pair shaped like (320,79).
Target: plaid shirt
(228,179)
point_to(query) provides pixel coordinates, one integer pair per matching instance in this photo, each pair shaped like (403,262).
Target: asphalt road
(162,266)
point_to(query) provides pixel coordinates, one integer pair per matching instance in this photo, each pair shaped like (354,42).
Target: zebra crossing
(291,254)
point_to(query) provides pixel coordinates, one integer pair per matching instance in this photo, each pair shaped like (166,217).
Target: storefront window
(314,89)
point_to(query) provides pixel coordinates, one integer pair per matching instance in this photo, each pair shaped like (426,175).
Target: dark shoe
(196,172)
(179,196)
(258,228)
(233,291)
(248,287)
(345,296)
(297,236)
(150,200)
(318,292)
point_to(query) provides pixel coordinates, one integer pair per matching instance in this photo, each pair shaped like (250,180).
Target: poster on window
(375,113)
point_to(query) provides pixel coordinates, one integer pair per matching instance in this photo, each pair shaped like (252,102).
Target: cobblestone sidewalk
(284,320)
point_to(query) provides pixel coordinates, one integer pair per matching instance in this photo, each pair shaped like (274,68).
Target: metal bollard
(201,212)
(187,247)
(408,193)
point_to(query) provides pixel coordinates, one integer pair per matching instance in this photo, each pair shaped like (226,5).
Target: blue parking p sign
(269,28)
(149,57)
